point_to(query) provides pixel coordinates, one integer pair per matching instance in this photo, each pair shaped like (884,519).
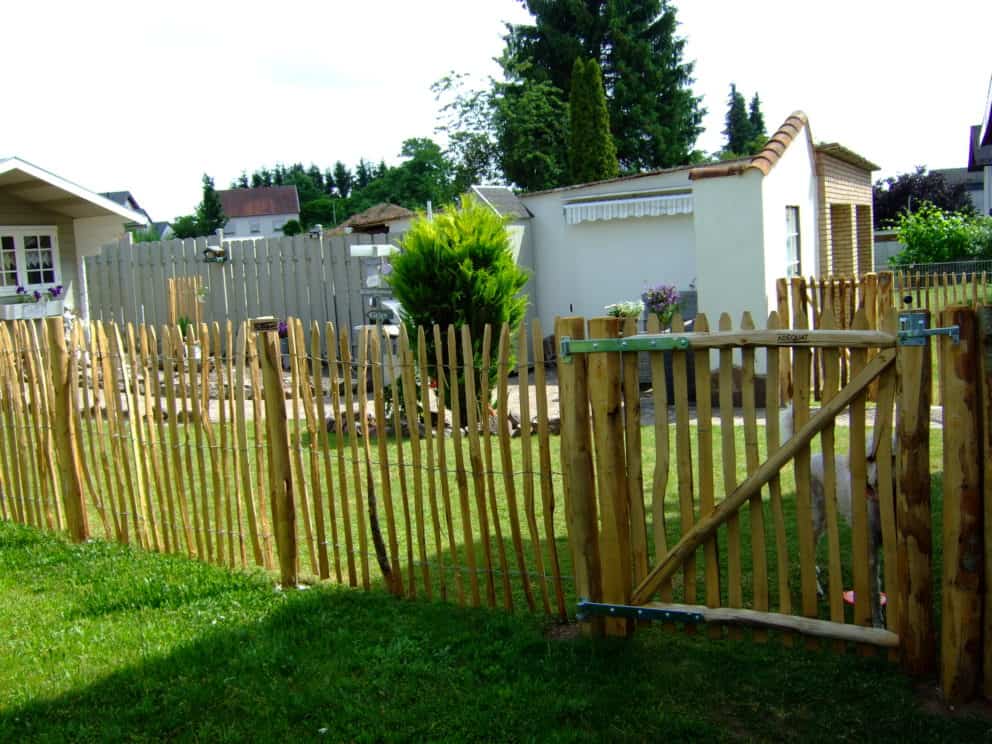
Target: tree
(425,175)
(209,213)
(185,226)
(738,126)
(932,235)
(292,227)
(592,155)
(457,269)
(908,191)
(654,117)
(757,121)
(342,179)
(324,210)
(363,174)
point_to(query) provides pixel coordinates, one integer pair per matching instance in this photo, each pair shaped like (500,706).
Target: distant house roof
(380,214)
(260,202)
(848,156)
(503,201)
(979,155)
(28,182)
(126,199)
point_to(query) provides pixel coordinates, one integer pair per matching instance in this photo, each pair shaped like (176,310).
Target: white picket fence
(314,279)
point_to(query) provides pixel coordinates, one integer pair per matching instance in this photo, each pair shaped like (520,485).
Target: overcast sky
(147,96)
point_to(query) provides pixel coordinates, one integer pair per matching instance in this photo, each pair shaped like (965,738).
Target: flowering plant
(663,301)
(628,309)
(283,329)
(53,293)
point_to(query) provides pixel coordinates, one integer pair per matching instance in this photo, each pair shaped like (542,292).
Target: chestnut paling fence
(208,447)
(735,547)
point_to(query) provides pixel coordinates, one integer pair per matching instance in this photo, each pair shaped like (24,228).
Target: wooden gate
(742,551)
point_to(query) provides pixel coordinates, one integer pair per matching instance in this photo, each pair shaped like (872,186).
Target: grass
(102,642)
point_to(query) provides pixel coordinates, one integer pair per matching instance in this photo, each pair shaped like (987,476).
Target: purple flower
(283,329)
(21,290)
(662,300)
(55,292)
(37,295)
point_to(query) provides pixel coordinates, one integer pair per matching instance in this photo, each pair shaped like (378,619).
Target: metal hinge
(913,330)
(642,342)
(586,609)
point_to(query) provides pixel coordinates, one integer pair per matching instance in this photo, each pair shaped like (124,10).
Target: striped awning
(621,209)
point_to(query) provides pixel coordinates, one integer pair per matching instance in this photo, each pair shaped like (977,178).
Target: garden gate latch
(641,342)
(913,330)
(586,610)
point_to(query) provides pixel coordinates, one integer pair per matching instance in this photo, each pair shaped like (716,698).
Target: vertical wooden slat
(221,460)
(527,463)
(831,386)
(683,458)
(756,513)
(544,455)
(662,460)
(804,514)
(335,379)
(784,358)
(309,383)
(460,474)
(577,466)
(704,438)
(478,469)
(157,470)
(322,432)
(144,467)
(394,577)
(615,548)
(297,365)
(961,605)
(242,452)
(409,386)
(195,421)
(138,493)
(262,463)
(631,390)
(506,457)
(984,317)
(735,589)
(442,381)
(432,473)
(389,364)
(235,472)
(357,421)
(108,386)
(859,477)
(84,423)
(280,475)
(772,398)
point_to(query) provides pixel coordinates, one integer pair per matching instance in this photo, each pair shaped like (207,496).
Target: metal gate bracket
(913,330)
(641,342)
(587,609)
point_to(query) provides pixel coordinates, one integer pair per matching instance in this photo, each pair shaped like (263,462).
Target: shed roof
(848,156)
(503,201)
(378,215)
(27,182)
(260,202)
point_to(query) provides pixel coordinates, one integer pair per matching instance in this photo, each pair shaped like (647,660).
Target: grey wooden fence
(314,279)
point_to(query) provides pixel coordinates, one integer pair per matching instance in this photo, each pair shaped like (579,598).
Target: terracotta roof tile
(260,202)
(765,160)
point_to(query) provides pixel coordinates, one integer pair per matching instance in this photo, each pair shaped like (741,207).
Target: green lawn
(104,643)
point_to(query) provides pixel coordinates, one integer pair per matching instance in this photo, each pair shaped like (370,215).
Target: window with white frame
(793,260)
(29,258)
(278,224)
(231,228)
(255,226)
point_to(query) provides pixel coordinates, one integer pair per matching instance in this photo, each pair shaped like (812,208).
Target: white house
(48,225)
(980,154)
(259,213)
(727,230)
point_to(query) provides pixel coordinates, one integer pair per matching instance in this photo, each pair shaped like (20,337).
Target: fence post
(64,433)
(280,472)
(611,473)
(576,453)
(960,647)
(914,527)
(785,357)
(985,366)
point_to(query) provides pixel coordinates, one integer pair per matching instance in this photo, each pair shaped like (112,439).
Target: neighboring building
(259,213)
(727,230)
(380,219)
(973,181)
(162,229)
(980,154)
(47,226)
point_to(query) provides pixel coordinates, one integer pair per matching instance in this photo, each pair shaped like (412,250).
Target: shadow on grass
(346,665)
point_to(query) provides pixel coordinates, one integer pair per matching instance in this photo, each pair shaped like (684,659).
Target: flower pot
(30,310)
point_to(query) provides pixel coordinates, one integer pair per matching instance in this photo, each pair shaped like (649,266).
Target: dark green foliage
(757,121)
(323,210)
(210,213)
(745,126)
(342,179)
(908,192)
(457,270)
(592,155)
(292,227)
(185,226)
(654,116)
(145,236)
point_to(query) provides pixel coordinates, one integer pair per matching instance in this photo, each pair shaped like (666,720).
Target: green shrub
(457,269)
(932,235)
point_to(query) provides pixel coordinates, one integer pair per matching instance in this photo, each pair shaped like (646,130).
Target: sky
(148,96)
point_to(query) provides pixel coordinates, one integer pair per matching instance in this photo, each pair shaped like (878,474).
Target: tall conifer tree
(592,153)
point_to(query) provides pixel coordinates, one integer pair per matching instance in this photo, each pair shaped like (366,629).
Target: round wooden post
(960,638)
(985,367)
(576,453)
(64,433)
(280,472)
(914,527)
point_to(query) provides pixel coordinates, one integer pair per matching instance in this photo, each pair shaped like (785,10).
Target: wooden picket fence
(727,546)
(184,299)
(222,456)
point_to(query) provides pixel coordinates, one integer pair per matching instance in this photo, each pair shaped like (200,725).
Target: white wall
(240,227)
(91,234)
(578,269)
(792,182)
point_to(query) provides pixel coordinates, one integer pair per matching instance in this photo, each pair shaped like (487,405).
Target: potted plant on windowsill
(24,305)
